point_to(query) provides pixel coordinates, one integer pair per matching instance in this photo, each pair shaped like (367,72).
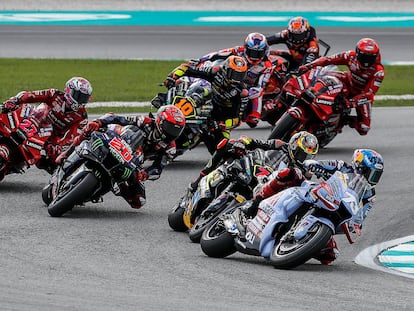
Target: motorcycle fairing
(307,223)
(283,207)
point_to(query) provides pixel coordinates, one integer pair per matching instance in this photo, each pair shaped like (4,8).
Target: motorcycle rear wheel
(292,253)
(76,194)
(216,241)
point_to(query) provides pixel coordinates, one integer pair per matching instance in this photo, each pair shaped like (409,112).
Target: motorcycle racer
(363,79)
(301,41)
(365,162)
(228,92)
(302,145)
(151,138)
(255,51)
(60,115)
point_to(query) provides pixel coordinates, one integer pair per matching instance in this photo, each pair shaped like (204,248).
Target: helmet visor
(255,53)
(298,37)
(373,176)
(300,155)
(79,97)
(366,60)
(171,131)
(235,76)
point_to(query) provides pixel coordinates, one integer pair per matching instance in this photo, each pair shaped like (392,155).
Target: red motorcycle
(316,103)
(21,141)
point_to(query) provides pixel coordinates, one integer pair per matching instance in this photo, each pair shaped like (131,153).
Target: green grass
(136,80)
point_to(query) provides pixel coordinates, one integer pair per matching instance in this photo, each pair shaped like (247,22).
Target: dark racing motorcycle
(21,140)
(293,225)
(95,167)
(316,103)
(232,182)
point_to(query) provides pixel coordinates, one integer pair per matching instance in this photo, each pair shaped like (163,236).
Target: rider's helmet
(234,69)
(78,90)
(256,48)
(302,146)
(169,123)
(368,163)
(367,52)
(298,30)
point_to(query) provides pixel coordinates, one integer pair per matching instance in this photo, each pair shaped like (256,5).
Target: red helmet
(170,122)
(367,51)
(298,30)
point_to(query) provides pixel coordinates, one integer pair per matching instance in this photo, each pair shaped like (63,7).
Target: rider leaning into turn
(228,92)
(151,138)
(300,38)
(229,149)
(363,79)
(60,115)
(365,162)
(255,51)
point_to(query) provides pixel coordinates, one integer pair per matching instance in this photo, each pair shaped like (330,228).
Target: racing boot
(134,197)
(328,254)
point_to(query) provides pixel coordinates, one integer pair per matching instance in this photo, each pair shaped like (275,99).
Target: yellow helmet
(302,146)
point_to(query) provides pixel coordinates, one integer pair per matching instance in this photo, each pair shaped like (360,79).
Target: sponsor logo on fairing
(33,145)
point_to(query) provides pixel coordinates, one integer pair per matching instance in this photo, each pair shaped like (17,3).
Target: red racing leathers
(362,84)
(53,118)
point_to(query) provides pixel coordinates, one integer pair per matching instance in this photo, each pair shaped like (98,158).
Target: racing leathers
(257,77)
(321,167)
(297,54)
(362,85)
(330,166)
(230,149)
(52,118)
(229,100)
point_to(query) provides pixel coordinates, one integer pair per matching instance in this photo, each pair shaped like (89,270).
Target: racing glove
(9,105)
(142,175)
(91,127)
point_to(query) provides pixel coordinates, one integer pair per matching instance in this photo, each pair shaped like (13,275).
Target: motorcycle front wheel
(176,220)
(73,194)
(290,253)
(284,127)
(216,241)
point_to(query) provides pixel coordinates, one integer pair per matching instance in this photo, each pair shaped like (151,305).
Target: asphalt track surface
(175,42)
(108,256)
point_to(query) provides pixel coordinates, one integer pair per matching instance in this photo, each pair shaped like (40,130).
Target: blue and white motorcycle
(293,225)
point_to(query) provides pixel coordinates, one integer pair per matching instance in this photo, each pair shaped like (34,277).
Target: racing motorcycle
(22,139)
(315,102)
(235,181)
(95,167)
(293,225)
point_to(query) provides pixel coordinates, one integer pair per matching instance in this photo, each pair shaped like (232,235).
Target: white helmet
(78,90)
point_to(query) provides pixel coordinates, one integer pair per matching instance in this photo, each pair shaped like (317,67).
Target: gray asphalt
(175,42)
(108,256)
